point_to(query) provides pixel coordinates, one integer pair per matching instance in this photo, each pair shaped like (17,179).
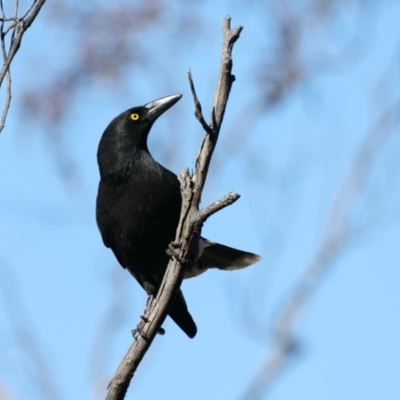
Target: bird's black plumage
(138,207)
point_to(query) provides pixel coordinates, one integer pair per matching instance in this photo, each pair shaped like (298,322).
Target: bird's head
(127,133)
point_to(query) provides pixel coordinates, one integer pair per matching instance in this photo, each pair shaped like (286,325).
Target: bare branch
(36,363)
(190,223)
(16,9)
(21,27)
(17,28)
(198,112)
(7,103)
(220,100)
(218,205)
(4,54)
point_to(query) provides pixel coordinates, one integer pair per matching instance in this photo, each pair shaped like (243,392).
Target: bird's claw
(144,318)
(172,252)
(161,331)
(138,331)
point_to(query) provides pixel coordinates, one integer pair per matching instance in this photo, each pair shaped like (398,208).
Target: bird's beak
(157,107)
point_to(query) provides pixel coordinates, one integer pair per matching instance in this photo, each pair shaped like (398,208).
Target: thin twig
(7,103)
(17,28)
(198,112)
(190,223)
(222,91)
(8,94)
(16,9)
(2,9)
(28,11)
(20,29)
(218,205)
(11,27)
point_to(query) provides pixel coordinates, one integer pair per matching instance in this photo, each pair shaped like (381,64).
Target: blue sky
(61,287)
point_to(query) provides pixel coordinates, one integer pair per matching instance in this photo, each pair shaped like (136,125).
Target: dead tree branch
(16,27)
(191,220)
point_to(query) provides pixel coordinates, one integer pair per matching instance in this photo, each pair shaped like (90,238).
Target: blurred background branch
(284,342)
(34,359)
(312,77)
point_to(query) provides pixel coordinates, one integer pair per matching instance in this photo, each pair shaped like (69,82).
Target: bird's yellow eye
(134,116)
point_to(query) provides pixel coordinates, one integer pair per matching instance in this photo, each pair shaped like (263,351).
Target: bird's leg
(139,329)
(144,318)
(161,331)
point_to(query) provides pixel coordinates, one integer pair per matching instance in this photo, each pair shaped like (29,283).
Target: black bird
(138,208)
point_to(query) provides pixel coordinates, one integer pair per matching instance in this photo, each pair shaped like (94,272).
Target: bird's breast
(138,218)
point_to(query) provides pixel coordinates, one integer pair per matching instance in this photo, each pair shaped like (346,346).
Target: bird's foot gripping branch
(143,209)
(172,251)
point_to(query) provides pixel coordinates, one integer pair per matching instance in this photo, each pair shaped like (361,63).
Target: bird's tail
(215,255)
(181,316)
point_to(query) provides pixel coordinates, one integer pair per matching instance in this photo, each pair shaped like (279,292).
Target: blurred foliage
(107,42)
